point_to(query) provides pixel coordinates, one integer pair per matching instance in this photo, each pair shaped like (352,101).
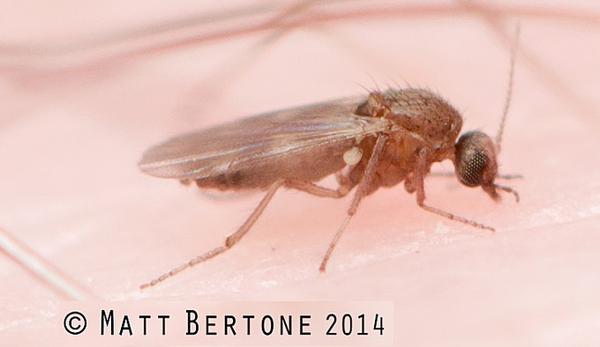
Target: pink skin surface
(71,133)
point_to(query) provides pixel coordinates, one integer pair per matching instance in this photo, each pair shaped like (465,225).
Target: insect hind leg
(230,241)
(316,190)
(234,238)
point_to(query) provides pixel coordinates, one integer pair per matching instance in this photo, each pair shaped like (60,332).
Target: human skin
(70,139)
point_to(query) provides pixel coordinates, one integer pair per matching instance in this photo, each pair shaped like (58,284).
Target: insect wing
(251,141)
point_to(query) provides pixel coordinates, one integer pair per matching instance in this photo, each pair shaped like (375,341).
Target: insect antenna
(511,74)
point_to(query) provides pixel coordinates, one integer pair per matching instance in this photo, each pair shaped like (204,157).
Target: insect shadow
(390,137)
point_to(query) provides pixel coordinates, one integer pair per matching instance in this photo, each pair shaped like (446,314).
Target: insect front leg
(419,185)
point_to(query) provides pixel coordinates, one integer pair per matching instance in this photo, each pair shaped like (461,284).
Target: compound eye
(472,168)
(475,159)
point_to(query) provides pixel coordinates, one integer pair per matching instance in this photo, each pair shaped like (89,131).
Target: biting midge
(387,138)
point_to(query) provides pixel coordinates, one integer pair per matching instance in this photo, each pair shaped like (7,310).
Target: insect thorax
(425,113)
(417,110)
(427,120)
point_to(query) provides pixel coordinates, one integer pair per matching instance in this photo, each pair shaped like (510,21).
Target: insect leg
(508,190)
(363,187)
(230,241)
(421,170)
(317,190)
